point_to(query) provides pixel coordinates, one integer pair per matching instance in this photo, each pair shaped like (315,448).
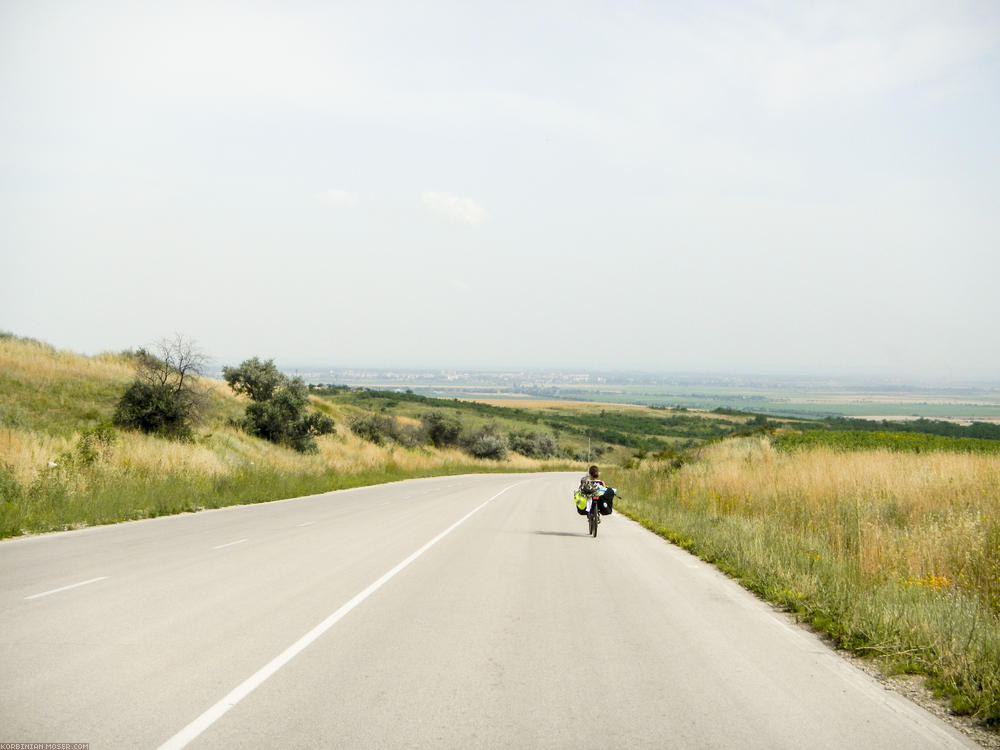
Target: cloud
(454,208)
(340,198)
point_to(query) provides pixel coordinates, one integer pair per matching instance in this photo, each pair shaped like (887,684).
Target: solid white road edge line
(229,544)
(65,588)
(241,691)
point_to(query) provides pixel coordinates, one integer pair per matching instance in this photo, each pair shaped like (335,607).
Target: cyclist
(593,488)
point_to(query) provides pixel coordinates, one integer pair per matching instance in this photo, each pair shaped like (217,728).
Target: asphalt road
(440,613)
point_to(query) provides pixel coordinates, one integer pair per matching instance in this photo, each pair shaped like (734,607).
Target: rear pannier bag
(604,505)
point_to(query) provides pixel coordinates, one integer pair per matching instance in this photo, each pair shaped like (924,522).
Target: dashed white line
(307,523)
(229,544)
(66,588)
(241,691)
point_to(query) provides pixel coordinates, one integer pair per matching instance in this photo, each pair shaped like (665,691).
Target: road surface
(456,612)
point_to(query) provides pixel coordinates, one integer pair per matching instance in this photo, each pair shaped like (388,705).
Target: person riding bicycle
(592,487)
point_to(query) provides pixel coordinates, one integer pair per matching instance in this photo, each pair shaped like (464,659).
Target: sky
(745,187)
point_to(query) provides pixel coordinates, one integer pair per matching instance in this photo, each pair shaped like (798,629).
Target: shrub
(278,411)
(283,419)
(164,398)
(488,443)
(153,408)
(373,428)
(378,429)
(534,444)
(442,430)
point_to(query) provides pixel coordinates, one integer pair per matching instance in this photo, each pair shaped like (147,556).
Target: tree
(165,398)
(278,408)
(256,379)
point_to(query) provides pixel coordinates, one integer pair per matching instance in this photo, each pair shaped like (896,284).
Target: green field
(796,397)
(809,403)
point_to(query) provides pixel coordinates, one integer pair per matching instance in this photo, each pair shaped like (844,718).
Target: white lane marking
(241,691)
(307,523)
(66,588)
(229,544)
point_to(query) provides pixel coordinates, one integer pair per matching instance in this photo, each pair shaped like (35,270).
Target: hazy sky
(745,186)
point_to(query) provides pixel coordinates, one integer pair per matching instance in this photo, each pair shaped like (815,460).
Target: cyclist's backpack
(591,488)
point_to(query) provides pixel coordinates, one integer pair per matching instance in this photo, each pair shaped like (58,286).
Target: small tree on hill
(258,380)
(164,399)
(278,408)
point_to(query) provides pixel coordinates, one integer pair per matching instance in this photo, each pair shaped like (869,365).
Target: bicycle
(593,517)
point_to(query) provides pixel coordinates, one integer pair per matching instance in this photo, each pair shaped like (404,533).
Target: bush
(373,428)
(153,408)
(301,433)
(488,443)
(282,418)
(279,403)
(379,429)
(164,399)
(442,430)
(534,444)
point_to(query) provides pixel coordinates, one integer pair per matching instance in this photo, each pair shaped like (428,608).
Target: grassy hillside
(62,465)
(56,393)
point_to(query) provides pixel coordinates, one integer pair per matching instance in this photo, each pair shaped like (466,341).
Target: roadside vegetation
(881,535)
(82,444)
(888,543)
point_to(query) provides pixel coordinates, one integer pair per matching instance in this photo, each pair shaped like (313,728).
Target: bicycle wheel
(594,520)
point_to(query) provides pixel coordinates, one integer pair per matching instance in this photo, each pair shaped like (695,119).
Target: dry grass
(145,454)
(27,454)
(904,515)
(893,554)
(42,365)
